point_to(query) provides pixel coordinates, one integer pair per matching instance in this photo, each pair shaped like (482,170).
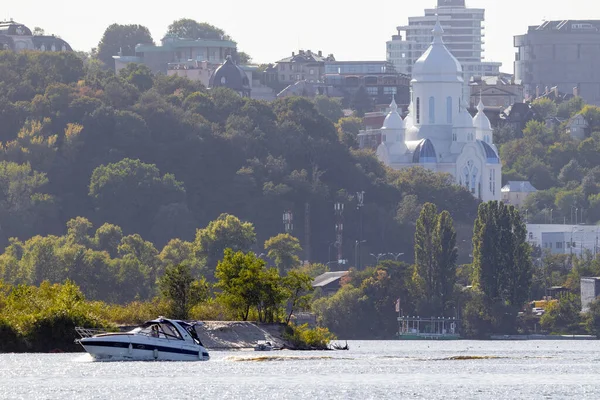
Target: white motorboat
(263,346)
(161,339)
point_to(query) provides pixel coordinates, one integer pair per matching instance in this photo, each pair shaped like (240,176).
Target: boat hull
(139,348)
(427,337)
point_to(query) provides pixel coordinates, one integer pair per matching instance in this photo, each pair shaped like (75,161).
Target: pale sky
(269,30)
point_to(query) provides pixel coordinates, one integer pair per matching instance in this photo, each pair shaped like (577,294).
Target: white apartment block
(463,36)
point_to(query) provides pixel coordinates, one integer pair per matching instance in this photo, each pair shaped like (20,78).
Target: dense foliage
(161,156)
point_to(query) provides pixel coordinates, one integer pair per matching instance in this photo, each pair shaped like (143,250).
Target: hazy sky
(270,30)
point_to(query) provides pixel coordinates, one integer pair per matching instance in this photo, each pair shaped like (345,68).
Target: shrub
(10,341)
(301,337)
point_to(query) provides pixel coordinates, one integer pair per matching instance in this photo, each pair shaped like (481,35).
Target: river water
(369,370)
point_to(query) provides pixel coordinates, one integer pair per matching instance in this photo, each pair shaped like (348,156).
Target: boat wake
(282,358)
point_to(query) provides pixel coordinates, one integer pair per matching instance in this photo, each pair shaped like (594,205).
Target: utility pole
(307,232)
(360,202)
(288,221)
(338,209)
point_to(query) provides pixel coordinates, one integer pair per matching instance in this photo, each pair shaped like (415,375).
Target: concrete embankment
(238,335)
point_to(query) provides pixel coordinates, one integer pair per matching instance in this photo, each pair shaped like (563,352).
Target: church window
(418,110)
(454,137)
(474,179)
(493,181)
(431,110)
(449,109)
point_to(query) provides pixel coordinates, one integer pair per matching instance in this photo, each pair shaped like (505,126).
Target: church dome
(393,121)
(481,121)
(464,119)
(231,76)
(424,153)
(437,64)
(408,120)
(490,154)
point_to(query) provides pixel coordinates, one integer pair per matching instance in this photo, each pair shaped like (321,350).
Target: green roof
(178,43)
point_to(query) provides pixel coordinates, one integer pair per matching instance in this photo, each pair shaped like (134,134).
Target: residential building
(590,290)
(577,127)
(517,116)
(379,78)
(174,50)
(305,65)
(193,70)
(17,37)
(563,54)
(439,133)
(515,192)
(329,282)
(464,38)
(496,92)
(564,239)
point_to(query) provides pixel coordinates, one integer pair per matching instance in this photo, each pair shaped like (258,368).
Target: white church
(439,133)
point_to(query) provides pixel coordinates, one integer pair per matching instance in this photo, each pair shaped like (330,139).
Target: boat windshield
(191,330)
(164,330)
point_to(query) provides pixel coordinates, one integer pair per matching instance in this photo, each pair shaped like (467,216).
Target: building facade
(175,50)
(302,66)
(496,92)
(564,239)
(577,127)
(439,133)
(17,37)
(590,290)
(516,192)
(464,38)
(563,54)
(379,78)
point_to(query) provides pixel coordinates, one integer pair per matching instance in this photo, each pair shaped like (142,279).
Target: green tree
(130,193)
(227,231)
(181,290)
(544,108)
(186,28)
(348,129)
(284,249)
(138,75)
(425,274)
(446,257)
(239,277)
(361,102)
(107,238)
(121,38)
(330,107)
(501,256)
(562,316)
(592,318)
(299,287)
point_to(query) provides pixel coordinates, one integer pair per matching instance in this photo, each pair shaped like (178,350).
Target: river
(369,370)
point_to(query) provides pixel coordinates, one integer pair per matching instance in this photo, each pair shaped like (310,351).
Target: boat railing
(88,332)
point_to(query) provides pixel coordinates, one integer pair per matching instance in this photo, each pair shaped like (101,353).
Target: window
(432,110)
(559,245)
(283,77)
(418,110)
(372,90)
(449,110)
(311,71)
(390,90)
(454,137)
(530,235)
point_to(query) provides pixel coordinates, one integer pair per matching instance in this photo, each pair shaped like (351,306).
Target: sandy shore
(228,335)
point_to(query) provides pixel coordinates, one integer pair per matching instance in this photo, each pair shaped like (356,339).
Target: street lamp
(396,255)
(378,256)
(360,202)
(338,209)
(356,259)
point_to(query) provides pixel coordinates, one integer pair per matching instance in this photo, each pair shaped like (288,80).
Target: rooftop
(328,277)
(519,186)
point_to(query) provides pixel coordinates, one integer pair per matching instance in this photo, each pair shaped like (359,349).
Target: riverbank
(239,335)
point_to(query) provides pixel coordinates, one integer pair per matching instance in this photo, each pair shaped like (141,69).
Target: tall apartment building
(563,54)
(463,36)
